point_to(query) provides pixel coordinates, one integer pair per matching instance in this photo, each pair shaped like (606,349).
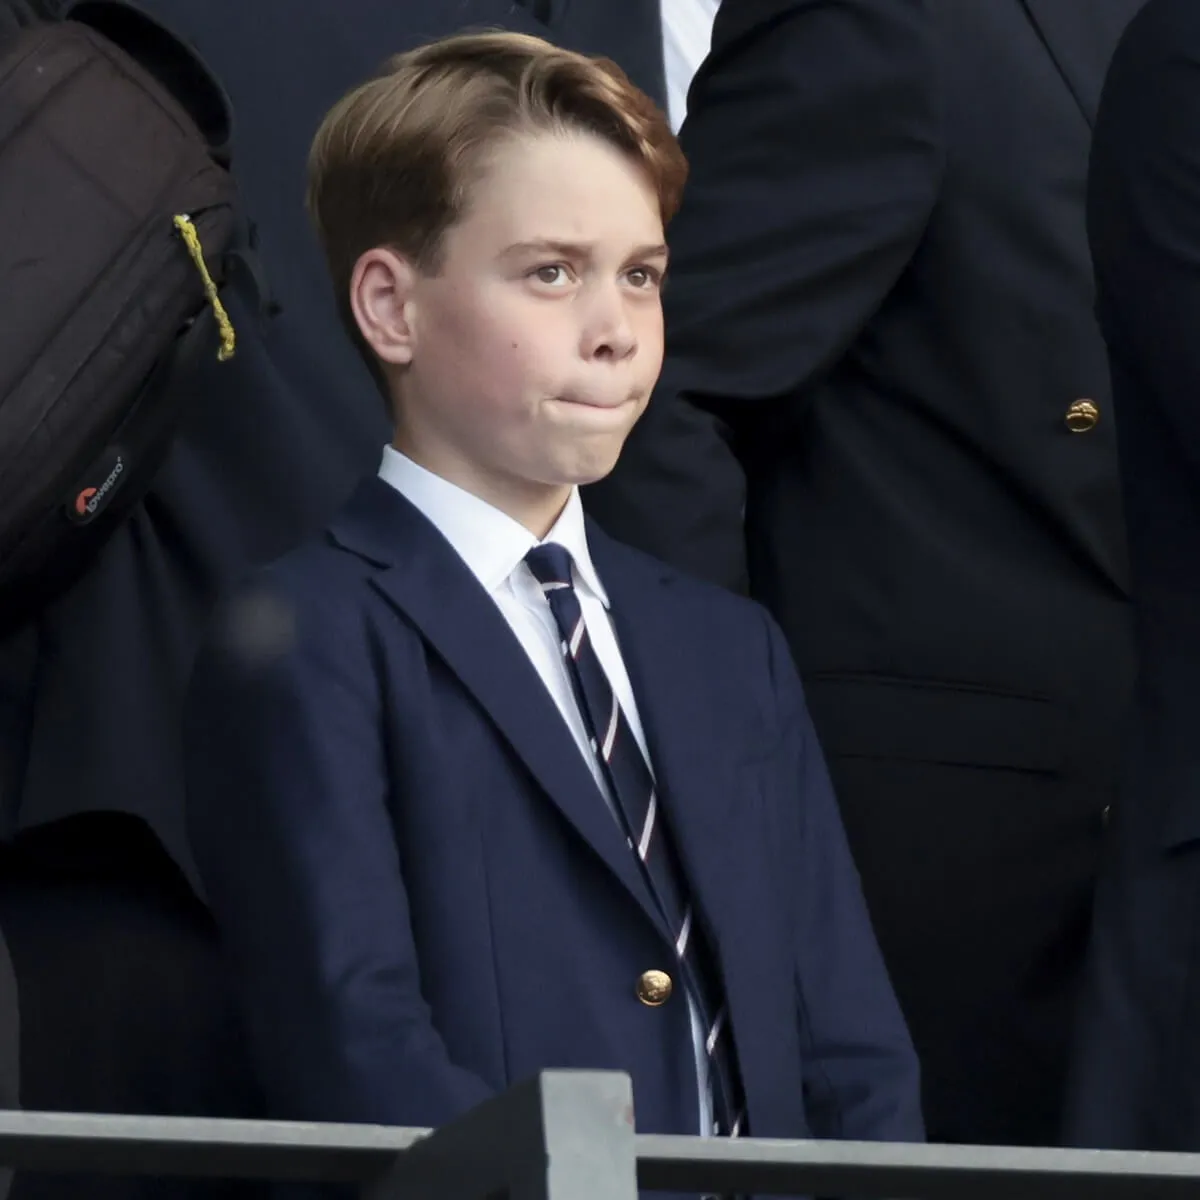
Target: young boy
(474,790)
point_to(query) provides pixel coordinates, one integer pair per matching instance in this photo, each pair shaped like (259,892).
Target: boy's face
(531,353)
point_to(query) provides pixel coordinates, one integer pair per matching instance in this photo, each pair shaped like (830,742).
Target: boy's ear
(381,293)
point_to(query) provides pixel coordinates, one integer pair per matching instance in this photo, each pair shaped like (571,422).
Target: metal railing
(570,1136)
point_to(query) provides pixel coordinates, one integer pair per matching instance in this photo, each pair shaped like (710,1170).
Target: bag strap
(174,64)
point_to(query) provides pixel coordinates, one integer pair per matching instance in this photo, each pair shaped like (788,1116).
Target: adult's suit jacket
(274,440)
(1136,1079)
(425,896)
(881,288)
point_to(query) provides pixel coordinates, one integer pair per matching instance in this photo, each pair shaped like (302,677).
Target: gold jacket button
(654,988)
(1082,416)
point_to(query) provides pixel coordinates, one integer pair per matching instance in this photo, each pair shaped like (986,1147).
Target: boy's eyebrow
(578,249)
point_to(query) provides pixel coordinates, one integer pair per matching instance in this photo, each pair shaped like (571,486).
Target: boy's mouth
(591,402)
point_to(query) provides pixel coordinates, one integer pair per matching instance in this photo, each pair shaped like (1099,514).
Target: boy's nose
(608,332)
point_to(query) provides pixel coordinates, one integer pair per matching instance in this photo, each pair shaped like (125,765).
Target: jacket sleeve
(814,144)
(1129,1084)
(1144,217)
(288,794)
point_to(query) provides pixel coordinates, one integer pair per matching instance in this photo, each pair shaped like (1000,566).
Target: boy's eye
(552,274)
(644,277)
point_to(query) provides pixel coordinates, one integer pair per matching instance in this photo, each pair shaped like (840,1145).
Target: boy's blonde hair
(393,162)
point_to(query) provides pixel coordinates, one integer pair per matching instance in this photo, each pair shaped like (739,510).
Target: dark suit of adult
(881,287)
(90,697)
(1136,1081)
(425,896)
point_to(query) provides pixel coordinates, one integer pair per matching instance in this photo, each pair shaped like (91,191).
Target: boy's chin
(595,468)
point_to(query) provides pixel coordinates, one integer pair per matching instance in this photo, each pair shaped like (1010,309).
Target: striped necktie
(643,823)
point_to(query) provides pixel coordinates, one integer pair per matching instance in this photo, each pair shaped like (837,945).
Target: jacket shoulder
(314,595)
(695,596)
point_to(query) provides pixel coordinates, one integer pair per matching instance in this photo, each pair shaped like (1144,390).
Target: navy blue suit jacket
(425,896)
(1136,1077)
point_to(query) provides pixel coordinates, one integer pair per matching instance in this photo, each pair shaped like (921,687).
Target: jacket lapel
(702,786)
(1081,39)
(688,748)
(424,578)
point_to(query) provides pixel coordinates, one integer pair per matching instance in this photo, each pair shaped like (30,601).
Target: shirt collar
(490,542)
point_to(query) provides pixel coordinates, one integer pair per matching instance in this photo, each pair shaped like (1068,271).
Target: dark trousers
(123,1002)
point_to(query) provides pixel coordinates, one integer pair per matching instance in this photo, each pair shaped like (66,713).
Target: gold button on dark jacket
(654,988)
(1082,416)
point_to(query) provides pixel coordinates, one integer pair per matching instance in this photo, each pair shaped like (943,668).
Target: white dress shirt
(494,546)
(687,35)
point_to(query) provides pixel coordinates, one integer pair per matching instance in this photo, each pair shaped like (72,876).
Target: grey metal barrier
(570,1136)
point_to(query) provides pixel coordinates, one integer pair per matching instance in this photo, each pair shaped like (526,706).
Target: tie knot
(551,565)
